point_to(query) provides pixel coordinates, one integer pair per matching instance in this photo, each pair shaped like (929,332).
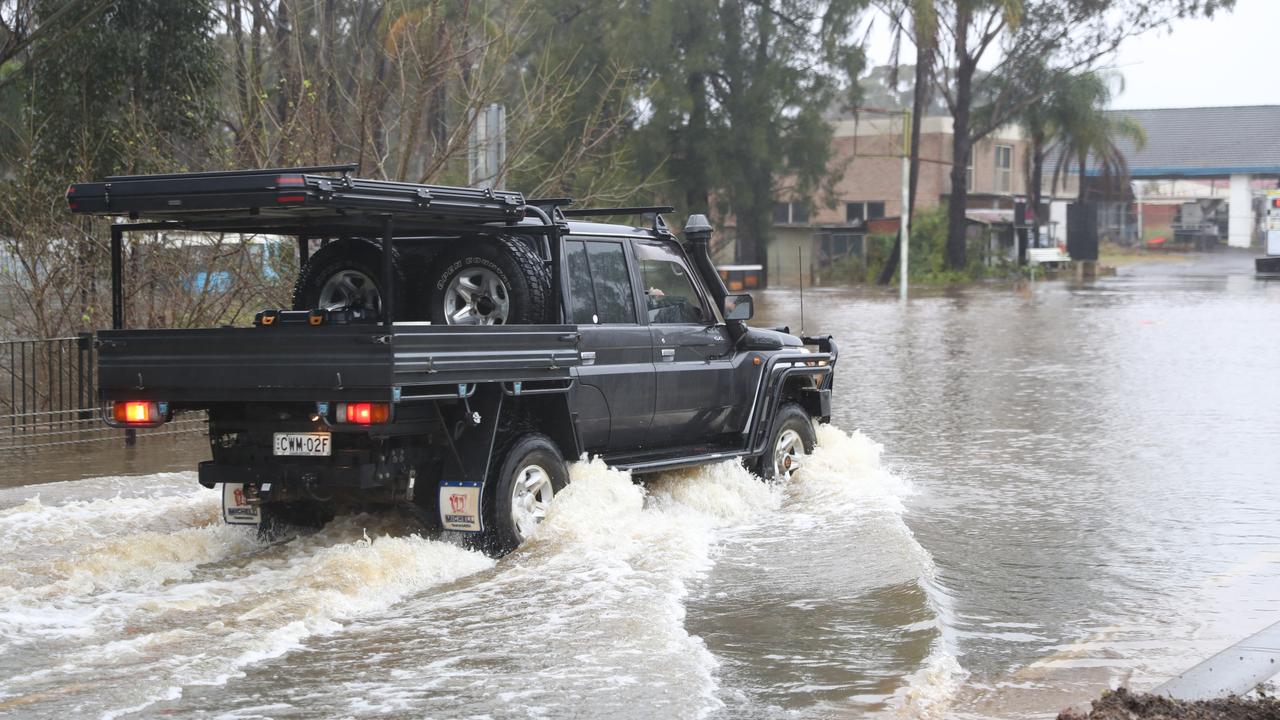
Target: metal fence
(48,396)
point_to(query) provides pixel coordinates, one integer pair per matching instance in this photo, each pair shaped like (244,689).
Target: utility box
(1082,231)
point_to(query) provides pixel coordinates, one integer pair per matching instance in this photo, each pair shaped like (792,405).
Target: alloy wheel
(476,296)
(531,493)
(350,289)
(786,454)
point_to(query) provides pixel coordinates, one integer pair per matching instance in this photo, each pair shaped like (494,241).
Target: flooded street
(1025,496)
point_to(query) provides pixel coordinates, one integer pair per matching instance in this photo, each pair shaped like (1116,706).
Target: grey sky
(1228,60)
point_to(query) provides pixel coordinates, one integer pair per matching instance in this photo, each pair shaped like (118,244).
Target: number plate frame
(302,444)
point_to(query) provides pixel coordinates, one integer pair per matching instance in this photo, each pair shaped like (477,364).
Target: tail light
(364,413)
(139,413)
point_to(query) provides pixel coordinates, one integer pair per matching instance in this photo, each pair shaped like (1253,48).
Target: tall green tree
(98,88)
(740,89)
(923,16)
(1028,43)
(129,88)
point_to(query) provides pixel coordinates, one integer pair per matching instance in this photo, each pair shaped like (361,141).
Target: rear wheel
(530,472)
(286,519)
(791,440)
(493,281)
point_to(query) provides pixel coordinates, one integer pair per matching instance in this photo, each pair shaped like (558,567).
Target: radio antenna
(800,270)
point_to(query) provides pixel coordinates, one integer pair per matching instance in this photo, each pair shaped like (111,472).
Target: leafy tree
(1031,42)
(1071,122)
(724,99)
(924,27)
(129,88)
(739,91)
(1088,133)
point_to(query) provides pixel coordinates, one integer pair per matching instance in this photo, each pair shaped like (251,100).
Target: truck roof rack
(545,203)
(601,212)
(659,225)
(345,169)
(300,201)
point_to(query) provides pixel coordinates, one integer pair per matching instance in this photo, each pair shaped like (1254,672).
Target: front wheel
(530,472)
(792,438)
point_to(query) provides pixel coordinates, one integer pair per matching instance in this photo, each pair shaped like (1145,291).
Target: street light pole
(904,222)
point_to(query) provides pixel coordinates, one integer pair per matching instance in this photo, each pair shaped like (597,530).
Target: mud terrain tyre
(494,281)
(528,472)
(347,274)
(790,440)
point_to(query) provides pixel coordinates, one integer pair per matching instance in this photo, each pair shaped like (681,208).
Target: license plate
(236,509)
(316,444)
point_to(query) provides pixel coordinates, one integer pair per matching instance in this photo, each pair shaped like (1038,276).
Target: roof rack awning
(295,200)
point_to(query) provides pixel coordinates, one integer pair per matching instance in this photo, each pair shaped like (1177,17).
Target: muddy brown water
(1026,496)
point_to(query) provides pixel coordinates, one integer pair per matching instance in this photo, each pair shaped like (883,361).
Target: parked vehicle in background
(452,348)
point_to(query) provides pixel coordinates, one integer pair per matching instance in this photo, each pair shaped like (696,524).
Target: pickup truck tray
(334,362)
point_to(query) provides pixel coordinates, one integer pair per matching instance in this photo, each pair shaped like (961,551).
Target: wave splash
(596,603)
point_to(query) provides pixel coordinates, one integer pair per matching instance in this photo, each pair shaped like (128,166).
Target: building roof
(1205,141)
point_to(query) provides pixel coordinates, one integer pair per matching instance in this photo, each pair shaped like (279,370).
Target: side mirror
(737,307)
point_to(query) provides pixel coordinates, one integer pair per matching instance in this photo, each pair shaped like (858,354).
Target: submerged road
(1026,497)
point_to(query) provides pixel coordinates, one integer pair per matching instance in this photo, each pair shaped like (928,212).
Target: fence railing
(48,396)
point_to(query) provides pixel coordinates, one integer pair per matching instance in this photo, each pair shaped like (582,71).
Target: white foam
(134,603)
(844,481)
(34,530)
(929,692)
(595,601)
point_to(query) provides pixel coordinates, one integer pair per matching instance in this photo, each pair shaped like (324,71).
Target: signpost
(1273,222)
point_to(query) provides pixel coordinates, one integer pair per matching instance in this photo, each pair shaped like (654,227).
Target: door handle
(588,357)
(668,354)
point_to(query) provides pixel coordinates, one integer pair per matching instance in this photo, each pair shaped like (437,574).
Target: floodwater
(1027,495)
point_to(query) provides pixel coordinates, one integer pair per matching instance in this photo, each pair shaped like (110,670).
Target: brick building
(866,154)
(1199,180)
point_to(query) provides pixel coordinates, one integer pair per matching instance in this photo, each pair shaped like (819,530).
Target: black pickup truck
(448,349)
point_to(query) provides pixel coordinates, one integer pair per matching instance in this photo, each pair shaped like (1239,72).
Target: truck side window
(599,283)
(669,293)
(583,298)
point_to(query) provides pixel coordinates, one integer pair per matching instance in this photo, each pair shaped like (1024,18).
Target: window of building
(856,212)
(669,293)
(1004,168)
(599,283)
(794,212)
(968,171)
(837,245)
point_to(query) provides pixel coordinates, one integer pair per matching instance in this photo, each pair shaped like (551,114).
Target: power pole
(904,231)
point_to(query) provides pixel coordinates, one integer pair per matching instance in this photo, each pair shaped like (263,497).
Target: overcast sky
(1232,59)
(1229,60)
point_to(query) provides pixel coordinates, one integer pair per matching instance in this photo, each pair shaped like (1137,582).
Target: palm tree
(1071,122)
